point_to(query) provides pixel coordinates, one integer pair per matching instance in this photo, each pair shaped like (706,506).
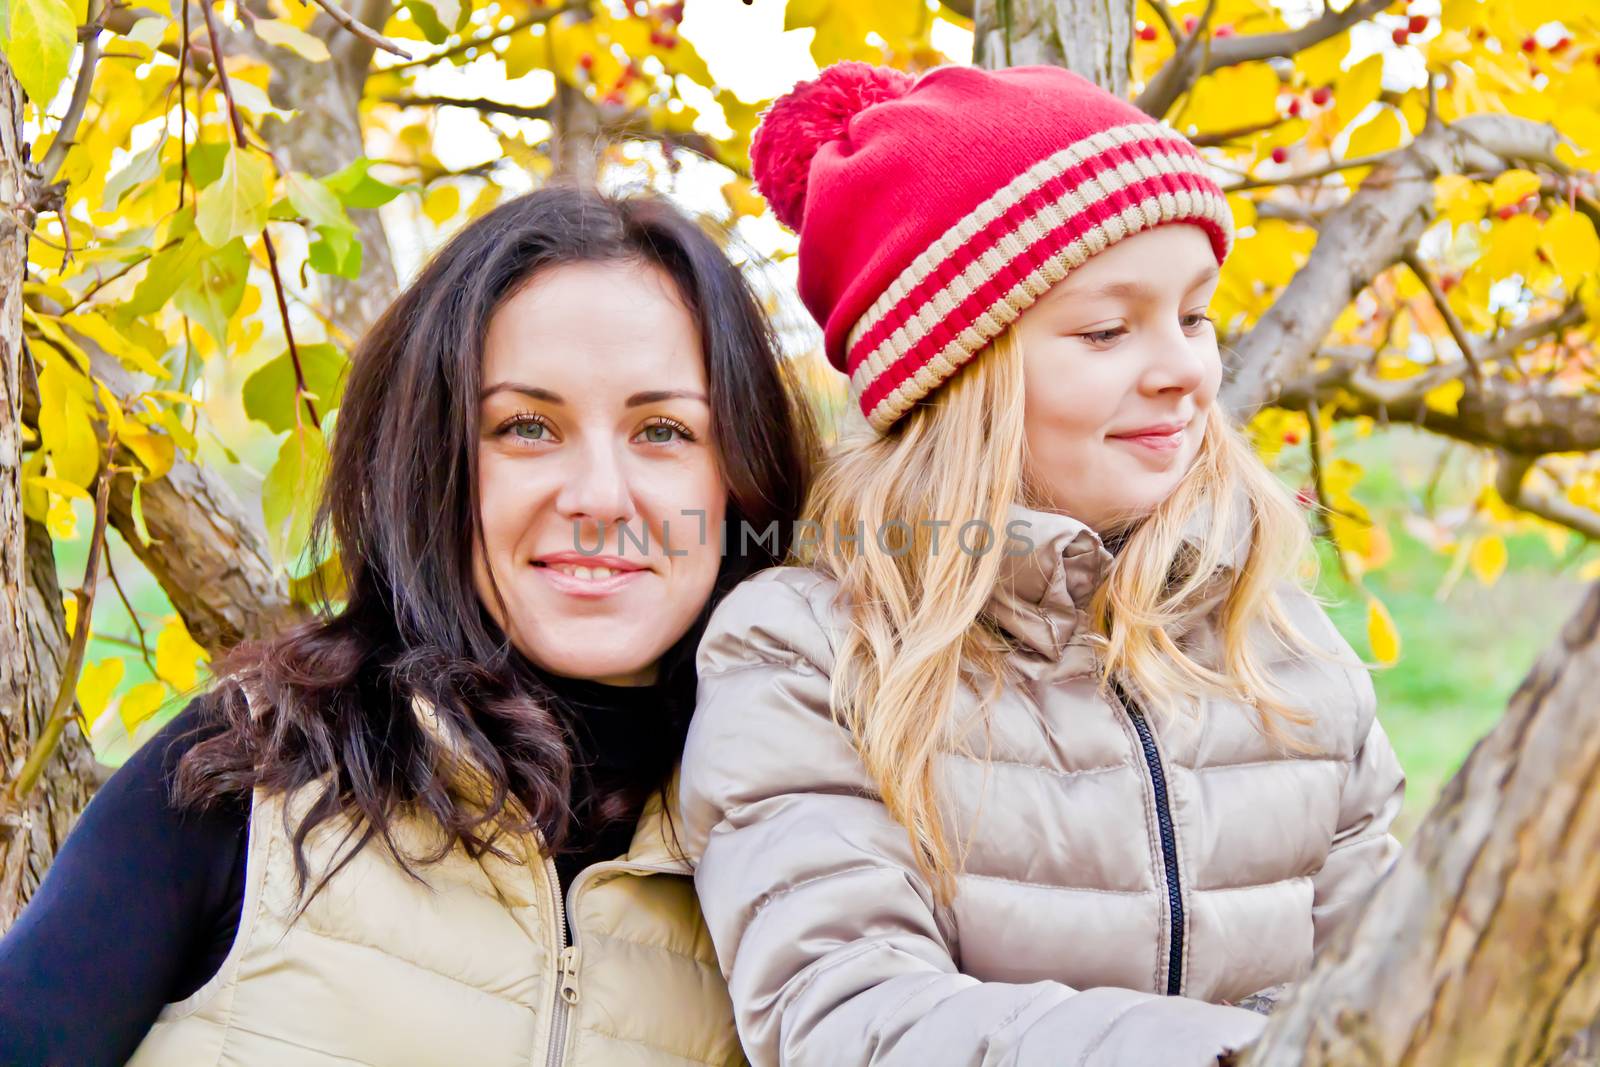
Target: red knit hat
(933,211)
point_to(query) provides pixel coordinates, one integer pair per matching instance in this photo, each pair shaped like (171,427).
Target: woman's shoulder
(779,615)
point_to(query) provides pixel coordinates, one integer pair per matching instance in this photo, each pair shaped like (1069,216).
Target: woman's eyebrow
(533,391)
(655,396)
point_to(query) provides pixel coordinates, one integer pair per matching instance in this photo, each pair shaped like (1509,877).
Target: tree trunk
(1483,945)
(32,639)
(576,137)
(1093,38)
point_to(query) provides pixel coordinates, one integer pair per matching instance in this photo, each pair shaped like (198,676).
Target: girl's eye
(1196,320)
(664,431)
(528,427)
(1103,337)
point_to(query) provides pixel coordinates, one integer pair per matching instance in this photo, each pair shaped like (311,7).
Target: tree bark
(1093,38)
(32,636)
(1482,946)
(576,137)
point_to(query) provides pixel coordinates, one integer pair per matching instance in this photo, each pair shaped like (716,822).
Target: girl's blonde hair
(918,630)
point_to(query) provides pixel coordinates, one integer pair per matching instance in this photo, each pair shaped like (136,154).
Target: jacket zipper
(566,980)
(1169,837)
(567,983)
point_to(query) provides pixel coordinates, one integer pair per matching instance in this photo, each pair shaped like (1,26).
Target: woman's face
(1121,367)
(602,501)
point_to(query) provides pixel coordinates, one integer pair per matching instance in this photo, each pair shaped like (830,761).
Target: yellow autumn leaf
(1355,89)
(441,203)
(96,683)
(1570,240)
(1445,398)
(1381,633)
(1512,188)
(1244,211)
(61,520)
(139,703)
(1379,134)
(1488,558)
(743,199)
(178,656)
(1459,198)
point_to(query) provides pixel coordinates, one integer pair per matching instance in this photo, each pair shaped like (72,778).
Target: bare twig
(16,794)
(68,131)
(1469,349)
(1306,176)
(480,104)
(488,37)
(1187,65)
(359,29)
(133,616)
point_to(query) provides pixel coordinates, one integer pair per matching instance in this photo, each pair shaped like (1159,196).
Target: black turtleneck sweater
(141,905)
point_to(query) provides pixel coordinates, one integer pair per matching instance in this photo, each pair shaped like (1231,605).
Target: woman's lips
(589,582)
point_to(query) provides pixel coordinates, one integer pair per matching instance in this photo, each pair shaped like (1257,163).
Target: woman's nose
(596,488)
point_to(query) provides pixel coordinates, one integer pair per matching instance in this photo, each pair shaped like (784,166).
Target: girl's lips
(589,588)
(1155,442)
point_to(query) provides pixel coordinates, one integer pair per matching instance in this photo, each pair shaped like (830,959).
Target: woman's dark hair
(400,505)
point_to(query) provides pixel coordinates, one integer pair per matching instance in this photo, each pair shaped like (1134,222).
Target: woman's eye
(527,428)
(665,432)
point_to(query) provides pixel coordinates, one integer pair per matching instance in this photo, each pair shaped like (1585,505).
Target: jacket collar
(1056,563)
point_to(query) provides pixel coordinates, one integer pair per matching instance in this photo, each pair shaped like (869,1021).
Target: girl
(429,829)
(1042,759)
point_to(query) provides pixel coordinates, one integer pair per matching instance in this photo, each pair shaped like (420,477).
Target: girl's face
(1121,366)
(601,497)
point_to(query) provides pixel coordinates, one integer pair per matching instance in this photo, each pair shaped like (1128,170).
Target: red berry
(1223,31)
(1507,211)
(1417,23)
(1529,45)
(1401,35)
(673,12)
(612,98)
(586,61)
(1321,95)
(1280,154)
(1542,215)
(1147,33)
(1291,438)
(1189,23)
(1561,46)
(1294,108)
(668,42)
(1480,34)
(1448,282)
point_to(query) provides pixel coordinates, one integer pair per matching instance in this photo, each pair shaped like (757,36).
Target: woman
(367,842)
(1043,759)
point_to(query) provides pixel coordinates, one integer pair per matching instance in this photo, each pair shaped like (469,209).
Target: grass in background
(1463,654)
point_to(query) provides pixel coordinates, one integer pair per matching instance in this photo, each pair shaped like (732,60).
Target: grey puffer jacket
(1128,874)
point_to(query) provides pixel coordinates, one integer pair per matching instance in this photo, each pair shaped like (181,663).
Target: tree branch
(56,154)
(1188,65)
(1511,481)
(1366,235)
(488,37)
(360,29)
(1452,321)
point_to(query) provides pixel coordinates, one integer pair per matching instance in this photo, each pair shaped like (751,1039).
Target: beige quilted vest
(469,966)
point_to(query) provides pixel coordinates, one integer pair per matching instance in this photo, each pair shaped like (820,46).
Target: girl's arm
(834,952)
(1363,849)
(138,909)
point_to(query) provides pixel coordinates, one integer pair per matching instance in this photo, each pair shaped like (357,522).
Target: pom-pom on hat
(933,211)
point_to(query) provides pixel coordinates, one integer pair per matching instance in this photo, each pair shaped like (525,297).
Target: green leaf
(356,188)
(288,35)
(316,201)
(269,393)
(165,272)
(213,291)
(289,494)
(336,252)
(235,205)
(39,45)
(205,162)
(140,169)
(436,18)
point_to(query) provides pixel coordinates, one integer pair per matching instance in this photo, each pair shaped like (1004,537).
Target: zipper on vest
(1169,837)
(566,980)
